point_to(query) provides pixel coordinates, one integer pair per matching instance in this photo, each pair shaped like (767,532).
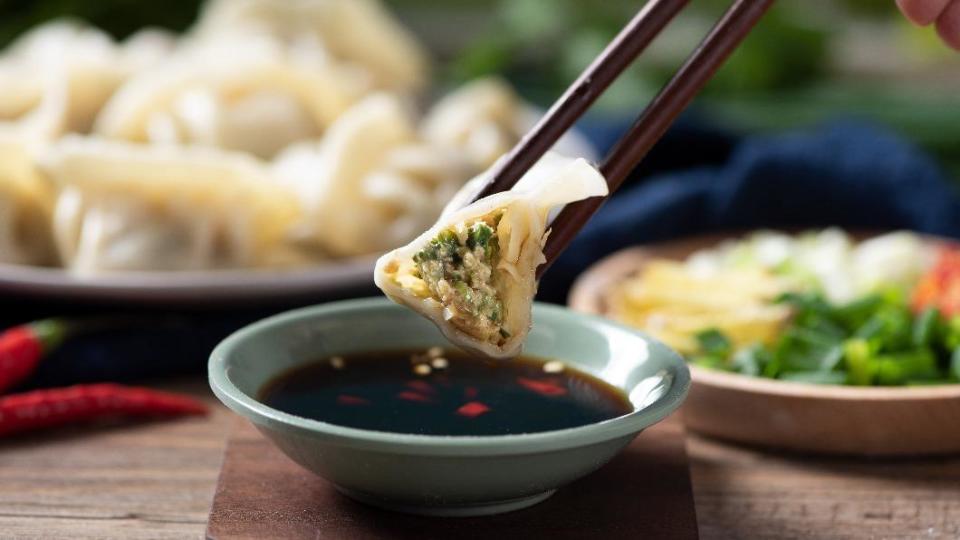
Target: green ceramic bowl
(445,475)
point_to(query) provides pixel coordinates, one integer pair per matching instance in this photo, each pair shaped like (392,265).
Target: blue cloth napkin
(847,174)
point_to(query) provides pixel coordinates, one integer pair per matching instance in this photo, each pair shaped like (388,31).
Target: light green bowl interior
(655,378)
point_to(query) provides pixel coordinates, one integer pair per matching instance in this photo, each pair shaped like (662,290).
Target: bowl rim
(484,445)
(838,392)
(590,287)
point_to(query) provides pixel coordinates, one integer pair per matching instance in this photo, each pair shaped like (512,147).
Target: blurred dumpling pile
(136,207)
(356,32)
(271,134)
(372,182)
(56,78)
(483,120)
(255,95)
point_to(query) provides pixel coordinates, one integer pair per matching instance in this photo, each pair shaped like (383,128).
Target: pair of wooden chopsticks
(672,99)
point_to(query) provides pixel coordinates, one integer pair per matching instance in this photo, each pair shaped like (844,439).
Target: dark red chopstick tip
(544,388)
(346,399)
(473,409)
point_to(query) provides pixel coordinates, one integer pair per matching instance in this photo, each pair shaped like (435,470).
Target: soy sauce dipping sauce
(444,392)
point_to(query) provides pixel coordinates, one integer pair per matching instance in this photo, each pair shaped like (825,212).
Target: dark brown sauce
(444,393)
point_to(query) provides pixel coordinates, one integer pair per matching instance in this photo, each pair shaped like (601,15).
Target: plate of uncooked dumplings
(274,148)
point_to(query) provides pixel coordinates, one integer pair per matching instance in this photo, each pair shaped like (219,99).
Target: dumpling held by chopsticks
(474,272)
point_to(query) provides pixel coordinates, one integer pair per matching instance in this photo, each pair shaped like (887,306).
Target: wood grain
(742,493)
(643,493)
(157,480)
(145,480)
(805,417)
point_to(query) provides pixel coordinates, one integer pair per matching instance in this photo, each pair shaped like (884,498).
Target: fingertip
(948,25)
(922,12)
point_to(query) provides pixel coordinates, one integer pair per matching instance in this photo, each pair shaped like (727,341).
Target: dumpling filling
(459,269)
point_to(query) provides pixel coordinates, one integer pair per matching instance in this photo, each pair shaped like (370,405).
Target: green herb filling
(459,269)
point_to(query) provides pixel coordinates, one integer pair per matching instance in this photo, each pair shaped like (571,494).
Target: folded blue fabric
(847,174)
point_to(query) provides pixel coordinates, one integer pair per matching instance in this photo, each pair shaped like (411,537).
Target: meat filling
(458,267)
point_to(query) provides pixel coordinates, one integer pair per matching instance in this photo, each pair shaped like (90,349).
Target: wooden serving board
(643,493)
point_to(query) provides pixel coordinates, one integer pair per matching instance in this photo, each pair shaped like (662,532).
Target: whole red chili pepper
(57,406)
(22,347)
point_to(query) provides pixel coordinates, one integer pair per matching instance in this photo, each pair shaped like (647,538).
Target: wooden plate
(795,416)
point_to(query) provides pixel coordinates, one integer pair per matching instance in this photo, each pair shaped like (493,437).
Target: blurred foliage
(552,40)
(784,75)
(870,7)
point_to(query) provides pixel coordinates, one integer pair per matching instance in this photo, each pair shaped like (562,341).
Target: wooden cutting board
(643,493)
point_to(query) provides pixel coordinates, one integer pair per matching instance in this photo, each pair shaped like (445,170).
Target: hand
(945,13)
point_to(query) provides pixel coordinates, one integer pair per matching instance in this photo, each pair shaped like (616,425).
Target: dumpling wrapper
(248,93)
(483,119)
(359,32)
(26,205)
(130,207)
(520,234)
(55,78)
(370,184)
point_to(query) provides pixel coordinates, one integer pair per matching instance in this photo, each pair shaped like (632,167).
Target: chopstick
(616,57)
(659,114)
(672,99)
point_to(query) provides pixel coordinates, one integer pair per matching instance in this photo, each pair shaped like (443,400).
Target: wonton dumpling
(370,184)
(131,207)
(251,94)
(26,202)
(359,32)
(474,272)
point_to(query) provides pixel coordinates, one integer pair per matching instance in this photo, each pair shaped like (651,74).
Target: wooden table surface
(157,480)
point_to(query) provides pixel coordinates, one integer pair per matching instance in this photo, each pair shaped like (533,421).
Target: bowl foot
(453,510)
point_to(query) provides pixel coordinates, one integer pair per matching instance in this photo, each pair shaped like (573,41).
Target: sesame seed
(553,366)
(435,352)
(421,369)
(337,362)
(440,363)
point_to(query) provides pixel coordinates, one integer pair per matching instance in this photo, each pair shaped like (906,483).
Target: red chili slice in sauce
(421,386)
(473,409)
(543,388)
(413,396)
(346,399)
